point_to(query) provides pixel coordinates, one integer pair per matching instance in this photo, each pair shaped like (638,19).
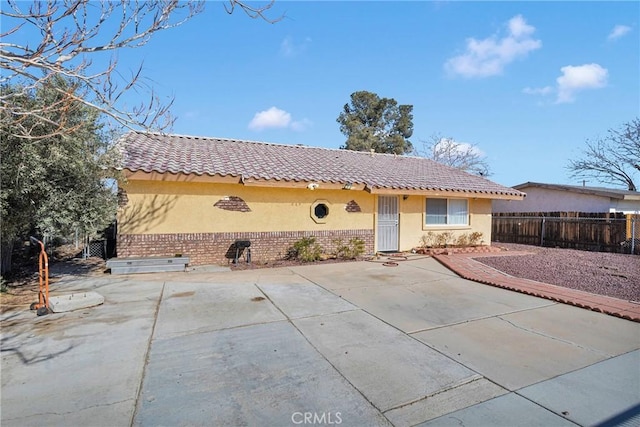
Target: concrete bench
(147,264)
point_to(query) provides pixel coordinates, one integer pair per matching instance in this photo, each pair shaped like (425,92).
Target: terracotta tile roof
(163,153)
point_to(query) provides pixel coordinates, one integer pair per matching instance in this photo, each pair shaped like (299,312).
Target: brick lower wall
(217,248)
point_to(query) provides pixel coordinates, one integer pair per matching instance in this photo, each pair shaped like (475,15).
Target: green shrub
(305,250)
(350,250)
(357,247)
(462,240)
(427,240)
(475,238)
(443,239)
(340,248)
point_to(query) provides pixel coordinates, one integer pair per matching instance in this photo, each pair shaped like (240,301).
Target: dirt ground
(242,265)
(24,285)
(614,275)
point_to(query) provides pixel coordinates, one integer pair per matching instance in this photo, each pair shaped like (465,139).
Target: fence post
(86,250)
(633,235)
(542,232)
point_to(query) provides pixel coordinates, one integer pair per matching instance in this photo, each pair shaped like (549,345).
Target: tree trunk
(6,255)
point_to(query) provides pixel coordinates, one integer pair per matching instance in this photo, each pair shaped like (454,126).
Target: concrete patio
(348,343)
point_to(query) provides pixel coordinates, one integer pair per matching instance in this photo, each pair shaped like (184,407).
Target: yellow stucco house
(196,196)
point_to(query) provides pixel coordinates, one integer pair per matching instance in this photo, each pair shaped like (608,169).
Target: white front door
(387,223)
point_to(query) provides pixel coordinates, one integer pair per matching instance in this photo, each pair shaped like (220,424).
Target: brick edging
(479,249)
(594,302)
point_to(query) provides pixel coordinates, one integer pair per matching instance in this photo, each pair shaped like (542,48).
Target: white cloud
(518,27)
(290,48)
(271,118)
(286,47)
(275,118)
(574,79)
(449,146)
(488,57)
(301,125)
(618,31)
(580,77)
(538,91)
(191,115)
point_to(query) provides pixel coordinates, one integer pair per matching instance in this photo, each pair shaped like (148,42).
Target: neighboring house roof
(612,193)
(178,154)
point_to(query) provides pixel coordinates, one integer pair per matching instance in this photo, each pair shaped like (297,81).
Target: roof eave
(142,175)
(579,190)
(153,175)
(447,192)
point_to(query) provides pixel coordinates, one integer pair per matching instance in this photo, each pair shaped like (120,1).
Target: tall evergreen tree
(370,122)
(55,182)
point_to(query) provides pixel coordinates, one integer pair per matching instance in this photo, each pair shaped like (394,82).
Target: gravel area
(614,275)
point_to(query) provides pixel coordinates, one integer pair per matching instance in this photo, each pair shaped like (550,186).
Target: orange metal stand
(42,306)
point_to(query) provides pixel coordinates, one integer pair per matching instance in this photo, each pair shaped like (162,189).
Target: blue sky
(528,82)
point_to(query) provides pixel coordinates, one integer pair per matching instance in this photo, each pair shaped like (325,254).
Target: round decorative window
(320,211)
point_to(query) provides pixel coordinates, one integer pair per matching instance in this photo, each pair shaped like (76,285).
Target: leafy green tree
(54,183)
(53,146)
(370,122)
(613,159)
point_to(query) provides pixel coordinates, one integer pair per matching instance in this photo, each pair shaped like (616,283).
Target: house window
(320,211)
(447,212)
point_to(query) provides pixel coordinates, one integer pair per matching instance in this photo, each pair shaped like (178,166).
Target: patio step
(147,265)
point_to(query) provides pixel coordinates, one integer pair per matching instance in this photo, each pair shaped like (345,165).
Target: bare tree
(73,32)
(460,155)
(614,159)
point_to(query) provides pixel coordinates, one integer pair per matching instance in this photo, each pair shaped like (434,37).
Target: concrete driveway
(349,344)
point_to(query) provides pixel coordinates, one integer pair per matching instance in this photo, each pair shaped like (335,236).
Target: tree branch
(612,159)
(463,156)
(71,31)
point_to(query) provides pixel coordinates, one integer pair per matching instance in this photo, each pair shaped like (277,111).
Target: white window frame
(447,224)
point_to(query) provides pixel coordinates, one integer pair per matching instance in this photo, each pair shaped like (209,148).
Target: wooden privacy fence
(576,230)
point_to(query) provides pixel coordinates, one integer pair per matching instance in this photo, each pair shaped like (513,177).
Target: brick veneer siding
(232,203)
(214,248)
(353,206)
